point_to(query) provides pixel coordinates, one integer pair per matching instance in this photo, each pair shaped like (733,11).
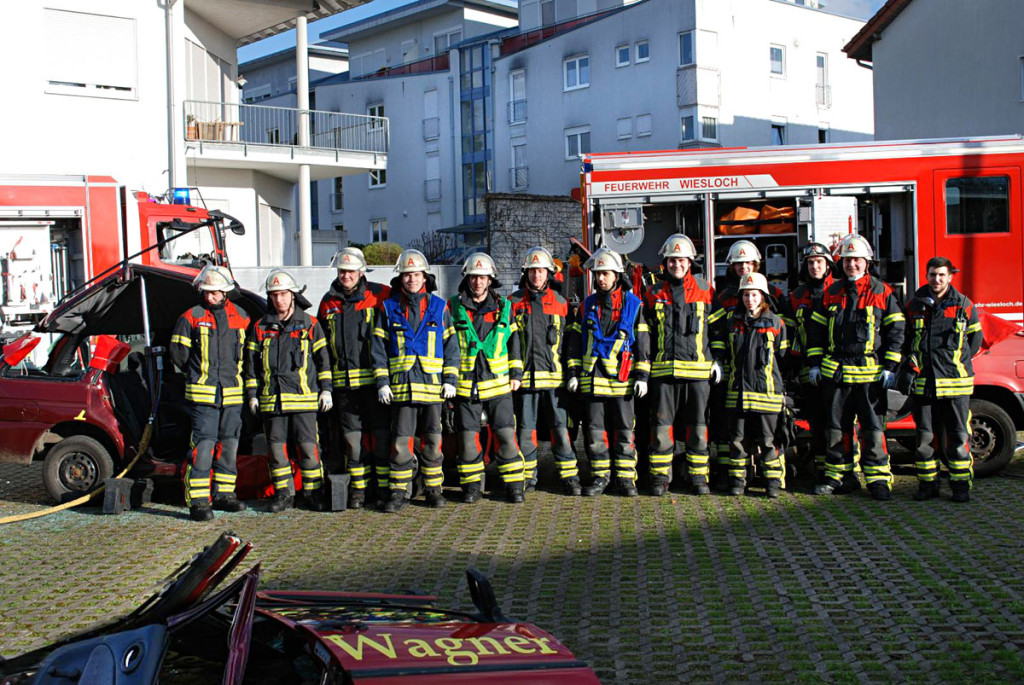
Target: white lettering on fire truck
(675,185)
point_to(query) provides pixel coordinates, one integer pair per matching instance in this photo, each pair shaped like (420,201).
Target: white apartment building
(944,68)
(148,93)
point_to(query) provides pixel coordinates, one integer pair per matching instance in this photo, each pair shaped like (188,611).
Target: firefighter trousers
(719,421)
(678,410)
(530,405)
(215,432)
(755,433)
(408,421)
(612,415)
(501,420)
(358,437)
(867,403)
(814,409)
(294,429)
(943,431)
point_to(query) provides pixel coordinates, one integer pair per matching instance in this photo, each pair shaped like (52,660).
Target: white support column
(302,85)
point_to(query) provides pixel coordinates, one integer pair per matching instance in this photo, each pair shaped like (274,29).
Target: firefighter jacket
(728,300)
(801,306)
(541,317)
(753,349)
(489,345)
(348,322)
(415,350)
(615,344)
(207,345)
(856,331)
(677,314)
(286,363)
(941,341)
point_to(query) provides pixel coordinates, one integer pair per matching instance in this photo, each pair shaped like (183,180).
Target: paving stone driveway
(717,589)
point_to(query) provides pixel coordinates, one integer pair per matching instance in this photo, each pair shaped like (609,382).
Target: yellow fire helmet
(349,259)
(678,245)
(539,258)
(754,281)
(855,245)
(213,278)
(604,259)
(411,261)
(479,264)
(279,279)
(743,251)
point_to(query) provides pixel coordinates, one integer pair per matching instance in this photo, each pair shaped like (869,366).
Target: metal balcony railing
(519,177)
(230,122)
(517,111)
(337,202)
(823,96)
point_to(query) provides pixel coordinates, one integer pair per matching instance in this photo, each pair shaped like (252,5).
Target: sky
(859,9)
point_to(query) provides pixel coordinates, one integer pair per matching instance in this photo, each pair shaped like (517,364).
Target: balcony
(823,96)
(519,178)
(263,138)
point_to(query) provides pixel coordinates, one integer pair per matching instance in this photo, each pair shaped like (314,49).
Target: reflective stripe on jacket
(207,344)
(941,342)
(755,349)
(606,335)
(348,322)
(488,346)
(801,306)
(286,364)
(541,322)
(678,318)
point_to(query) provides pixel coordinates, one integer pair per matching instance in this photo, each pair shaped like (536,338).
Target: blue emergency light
(180,196)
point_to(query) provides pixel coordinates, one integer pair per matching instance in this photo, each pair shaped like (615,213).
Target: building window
(777,54)
(822,134)
(91,54)
(624,128)
(519,176)
(643,125)
(337,196)
(378,178)
(517,101)
(273,136)
(778,134)
(256,93)
(821,68)
(687,132)
(978,205)
(577,141)
(576,71)
(378,230)
(547,12)
(686,56)
(378,112)
(694,126)
(622,56)
(643,51)
(709,128)
(443,41)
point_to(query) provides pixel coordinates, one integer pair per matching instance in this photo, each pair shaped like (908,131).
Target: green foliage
(382,253)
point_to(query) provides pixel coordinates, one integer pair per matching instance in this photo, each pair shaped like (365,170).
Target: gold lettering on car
(456,651)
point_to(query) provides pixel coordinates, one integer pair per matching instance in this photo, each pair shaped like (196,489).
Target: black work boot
(596,488)
(435,498)
(514,493)
(659,488)
(396,500)
(472,493)
(571,487)
(530,484)
(961,491)
(201,511)
(282,500)
(700,485)
(314,500)
(880,491)
(626,487)
(828,487)
(737,486)
(356,498)
(228,502)
(774,488)
(850,484)
(926,490)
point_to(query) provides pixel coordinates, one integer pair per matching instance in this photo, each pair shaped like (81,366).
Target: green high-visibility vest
(494,346)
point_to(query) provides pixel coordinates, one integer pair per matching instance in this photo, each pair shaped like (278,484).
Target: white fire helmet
(855,245)
(279,279)
(678,245)
(411,261)
(604,259)
(349,259)
(539,258)
(213,278)
(479,264)
(743,251)
(754,281)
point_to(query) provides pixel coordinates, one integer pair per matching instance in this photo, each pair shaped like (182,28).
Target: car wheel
(75,466)
(993,437)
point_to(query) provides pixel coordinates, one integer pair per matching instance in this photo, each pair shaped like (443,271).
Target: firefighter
(416,367)
(682,367)
(610,364)
(755,347)
(348,313)
(287,378)
(491,370)
(944,334)
(206,345)
(854,345)
(541,314)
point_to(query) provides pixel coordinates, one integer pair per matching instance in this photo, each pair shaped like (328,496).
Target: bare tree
(518,222)
(434,245)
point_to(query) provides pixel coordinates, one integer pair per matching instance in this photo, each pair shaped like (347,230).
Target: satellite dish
(623,240)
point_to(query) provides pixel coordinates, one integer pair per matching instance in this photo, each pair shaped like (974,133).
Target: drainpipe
(302,85)
(172,140)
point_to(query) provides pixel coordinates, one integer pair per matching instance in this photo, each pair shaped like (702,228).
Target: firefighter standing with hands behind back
(287,378)
(207,345)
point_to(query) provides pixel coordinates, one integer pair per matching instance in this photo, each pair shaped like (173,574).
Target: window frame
(619,128)
(780,128)
(379,227)
(1005,200)
(618,56)
(637,59)
(576,59)
(782,61)
(378,178)
(576,132)
(693,48)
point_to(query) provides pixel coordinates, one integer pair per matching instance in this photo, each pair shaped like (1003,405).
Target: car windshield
(179,246)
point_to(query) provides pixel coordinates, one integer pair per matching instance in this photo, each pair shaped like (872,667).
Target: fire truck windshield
(183,247)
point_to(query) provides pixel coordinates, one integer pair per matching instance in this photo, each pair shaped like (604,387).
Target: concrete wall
(518,222)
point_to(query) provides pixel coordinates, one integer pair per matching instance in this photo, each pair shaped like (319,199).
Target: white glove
(573,384)
(254,405)
(384,394)
(814,375)
(640,388)
(515,384)
(326,401)
(716,374)
(888,379)
(447,391)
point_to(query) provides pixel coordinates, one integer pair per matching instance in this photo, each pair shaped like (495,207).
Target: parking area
(714,589)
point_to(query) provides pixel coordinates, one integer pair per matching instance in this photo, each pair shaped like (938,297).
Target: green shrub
(382,253)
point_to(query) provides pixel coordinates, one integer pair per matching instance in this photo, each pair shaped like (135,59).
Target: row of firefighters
(708,360)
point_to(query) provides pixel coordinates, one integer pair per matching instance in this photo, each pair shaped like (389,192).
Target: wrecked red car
(192,631)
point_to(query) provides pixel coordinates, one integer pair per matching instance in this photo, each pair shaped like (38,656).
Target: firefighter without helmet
(479,264)
(349,259)
(743,251)
(279,279)
(411,261)
(678,245)
(754,281)
(539,258)
(604,259)
(817,250)
(214,278)
(855,245)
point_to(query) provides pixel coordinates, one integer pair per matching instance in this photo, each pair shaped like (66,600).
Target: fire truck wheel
(75,466)
(993,437)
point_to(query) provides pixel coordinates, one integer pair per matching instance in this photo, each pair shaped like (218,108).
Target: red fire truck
(960,198)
